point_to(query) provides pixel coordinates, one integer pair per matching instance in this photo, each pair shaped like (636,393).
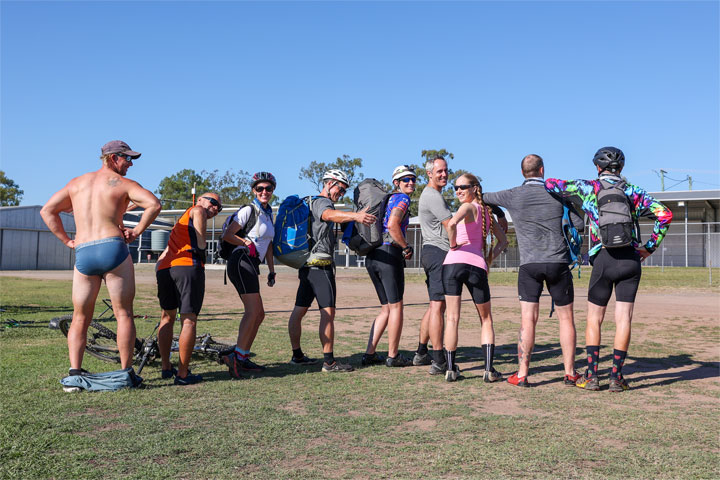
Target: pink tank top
(470,234)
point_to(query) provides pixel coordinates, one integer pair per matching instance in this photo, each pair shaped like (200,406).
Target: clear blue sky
(275,85)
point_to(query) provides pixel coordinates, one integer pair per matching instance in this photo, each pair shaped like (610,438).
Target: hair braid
(487,230)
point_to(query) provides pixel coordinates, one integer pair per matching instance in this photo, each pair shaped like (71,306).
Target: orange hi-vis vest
(183,238)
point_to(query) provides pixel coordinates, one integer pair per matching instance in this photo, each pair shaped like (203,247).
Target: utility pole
(662,180)
(689,182)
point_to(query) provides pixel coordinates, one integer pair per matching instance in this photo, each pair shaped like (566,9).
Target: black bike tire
(108,353)
(95,331)
(63,323)
(64,326)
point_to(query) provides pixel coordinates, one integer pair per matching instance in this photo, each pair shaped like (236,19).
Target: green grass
(373,423)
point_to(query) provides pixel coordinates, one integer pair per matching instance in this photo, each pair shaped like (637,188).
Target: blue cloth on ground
(105,381)
(100,256)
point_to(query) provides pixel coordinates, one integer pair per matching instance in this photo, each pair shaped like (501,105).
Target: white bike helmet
(335,174)
(403,171)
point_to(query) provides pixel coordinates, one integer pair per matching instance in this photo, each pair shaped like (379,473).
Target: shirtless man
(98,201)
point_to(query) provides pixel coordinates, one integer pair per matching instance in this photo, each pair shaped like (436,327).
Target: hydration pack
(572,237)
(362,238)
(226,248)
(293,243)
(615,219)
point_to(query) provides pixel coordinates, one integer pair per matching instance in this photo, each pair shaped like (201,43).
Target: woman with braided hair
(470,232)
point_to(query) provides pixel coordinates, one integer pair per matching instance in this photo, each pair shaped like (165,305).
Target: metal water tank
(159,240)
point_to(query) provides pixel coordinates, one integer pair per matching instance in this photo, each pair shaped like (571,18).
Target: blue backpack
(574,242)
(292,243)
(572,237)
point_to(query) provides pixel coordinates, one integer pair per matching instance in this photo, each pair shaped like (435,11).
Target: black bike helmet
(263,177)
(609,158)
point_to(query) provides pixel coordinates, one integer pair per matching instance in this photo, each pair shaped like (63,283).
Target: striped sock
(242,354)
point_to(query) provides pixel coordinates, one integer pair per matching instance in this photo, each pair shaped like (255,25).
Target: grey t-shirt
(537,217)
(433,210)
(323,233)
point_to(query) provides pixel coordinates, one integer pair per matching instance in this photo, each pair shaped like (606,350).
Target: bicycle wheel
(63,323)
(102,343)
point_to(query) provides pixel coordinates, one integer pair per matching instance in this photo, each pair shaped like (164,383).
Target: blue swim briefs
(100,256)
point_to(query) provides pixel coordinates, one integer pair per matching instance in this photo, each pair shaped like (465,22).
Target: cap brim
(133,154)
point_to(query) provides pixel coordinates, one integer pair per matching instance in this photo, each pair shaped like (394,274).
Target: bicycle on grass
(102,344)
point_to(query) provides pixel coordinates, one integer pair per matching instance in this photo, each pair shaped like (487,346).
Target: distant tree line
(234,186)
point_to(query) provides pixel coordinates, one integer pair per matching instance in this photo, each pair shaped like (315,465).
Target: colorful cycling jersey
(401,201)
(644,206)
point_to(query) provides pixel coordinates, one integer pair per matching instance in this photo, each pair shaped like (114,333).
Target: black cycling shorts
(181,288)
(243,271)
(455,275)
(557,276)
(316,283)
(618,267)
(432,261)
(386,267)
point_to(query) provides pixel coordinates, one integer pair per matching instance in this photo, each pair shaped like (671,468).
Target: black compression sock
(329,358)
(489,354)
(298,353)
(438,356)
(450,359)
(422,349)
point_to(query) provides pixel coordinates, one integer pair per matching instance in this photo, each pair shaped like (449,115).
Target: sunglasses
(260,189)
(463,187)
(341,189)
(214,203)
(127,158)
(408,179)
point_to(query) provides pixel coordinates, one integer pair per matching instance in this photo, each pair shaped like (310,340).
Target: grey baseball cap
(118,146)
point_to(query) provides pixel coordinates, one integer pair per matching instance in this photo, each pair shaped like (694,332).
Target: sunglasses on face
(408,179)
(214,203)
(463,187)
(127,158)
(342,190)
(260,189)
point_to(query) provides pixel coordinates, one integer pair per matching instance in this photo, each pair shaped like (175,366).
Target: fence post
(686,234)
(139,249)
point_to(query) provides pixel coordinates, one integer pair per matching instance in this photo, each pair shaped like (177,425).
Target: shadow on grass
(643,370)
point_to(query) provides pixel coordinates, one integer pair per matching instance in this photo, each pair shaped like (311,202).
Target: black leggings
(386,267)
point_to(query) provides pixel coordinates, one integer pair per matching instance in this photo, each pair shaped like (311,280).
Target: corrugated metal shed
(27,244)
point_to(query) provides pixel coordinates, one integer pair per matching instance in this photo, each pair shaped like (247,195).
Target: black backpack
(226,248)
(615,219)
(365,238)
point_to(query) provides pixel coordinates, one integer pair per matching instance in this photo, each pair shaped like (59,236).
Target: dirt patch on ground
(295,407)
(425,425)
